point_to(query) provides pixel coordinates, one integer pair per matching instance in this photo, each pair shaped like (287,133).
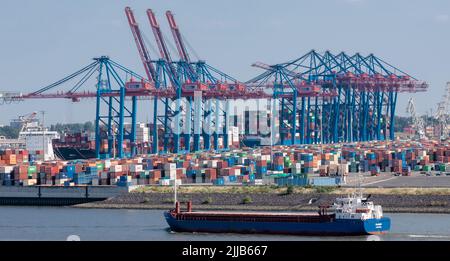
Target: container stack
(283,165)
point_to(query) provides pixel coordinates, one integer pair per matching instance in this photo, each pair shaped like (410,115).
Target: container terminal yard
(331,119)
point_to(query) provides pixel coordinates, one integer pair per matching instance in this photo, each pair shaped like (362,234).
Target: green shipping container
(427,168)
(280,175)
(417,167)
(442,167)
(100,166)
(32,169)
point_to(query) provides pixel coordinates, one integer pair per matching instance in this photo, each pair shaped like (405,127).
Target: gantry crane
(360,104)
(442,113)
(417,122)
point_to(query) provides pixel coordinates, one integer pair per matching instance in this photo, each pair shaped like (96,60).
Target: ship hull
(335,227)
(71,153)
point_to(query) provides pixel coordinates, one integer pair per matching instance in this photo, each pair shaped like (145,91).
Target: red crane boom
(143,52)
(177,37)
(163,50)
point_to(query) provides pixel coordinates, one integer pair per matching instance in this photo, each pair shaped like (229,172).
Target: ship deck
(253,216)
(249,213)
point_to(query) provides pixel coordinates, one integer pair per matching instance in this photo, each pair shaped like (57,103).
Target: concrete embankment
(57,196)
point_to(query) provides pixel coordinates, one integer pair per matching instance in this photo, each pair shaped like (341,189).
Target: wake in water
(429,236)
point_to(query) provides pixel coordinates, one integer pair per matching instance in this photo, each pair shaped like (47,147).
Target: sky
(43,41)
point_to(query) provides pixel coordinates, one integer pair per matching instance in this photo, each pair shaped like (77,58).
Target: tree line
(13,133)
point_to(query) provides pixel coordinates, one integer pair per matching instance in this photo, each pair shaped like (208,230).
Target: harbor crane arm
(182,51)
(25,119)
(142,49)
(163,50)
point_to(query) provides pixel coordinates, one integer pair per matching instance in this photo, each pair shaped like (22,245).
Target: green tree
(9,132)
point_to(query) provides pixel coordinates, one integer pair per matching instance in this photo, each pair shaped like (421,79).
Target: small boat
(350,215)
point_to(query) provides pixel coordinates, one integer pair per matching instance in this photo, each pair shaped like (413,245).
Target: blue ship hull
(335,227)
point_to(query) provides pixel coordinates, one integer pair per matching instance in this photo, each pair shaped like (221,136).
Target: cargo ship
(351,215)
(74,146)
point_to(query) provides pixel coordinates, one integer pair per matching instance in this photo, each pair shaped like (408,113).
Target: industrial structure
(417,122)
(322,97)
(333,98)
(442,113)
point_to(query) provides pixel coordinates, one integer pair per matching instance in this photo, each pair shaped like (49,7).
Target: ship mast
(175,191)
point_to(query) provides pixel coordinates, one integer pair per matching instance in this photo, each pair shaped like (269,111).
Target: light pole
(43,132)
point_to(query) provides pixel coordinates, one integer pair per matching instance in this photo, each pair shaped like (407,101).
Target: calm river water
(57,223)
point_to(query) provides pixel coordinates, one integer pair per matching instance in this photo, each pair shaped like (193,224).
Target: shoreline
(275,201)
(417,210)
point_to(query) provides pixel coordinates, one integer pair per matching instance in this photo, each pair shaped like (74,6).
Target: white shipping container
(116,168)
(268,180)
(135,168)
(164,182)
(235,133)
(170,166)
(178,182)
(6,169)
(241,160)
(172,174)
(257,182)
(104,175)
(107,164)
(212,163)
(29,182)
(296,171)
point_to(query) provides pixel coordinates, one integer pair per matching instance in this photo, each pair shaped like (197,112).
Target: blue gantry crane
(322,97)
(202,93)
(357,101)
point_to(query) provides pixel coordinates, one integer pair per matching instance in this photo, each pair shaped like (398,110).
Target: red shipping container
(222,164)
(211,174)
(278,161)
(261,163)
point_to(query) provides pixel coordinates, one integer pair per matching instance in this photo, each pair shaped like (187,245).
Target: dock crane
(417,122)
(172,116)
(184,56)
(142,49)
(199,79)
(149,70)
(442,113)
(26,119)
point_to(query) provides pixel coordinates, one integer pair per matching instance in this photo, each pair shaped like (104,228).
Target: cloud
(441,18)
